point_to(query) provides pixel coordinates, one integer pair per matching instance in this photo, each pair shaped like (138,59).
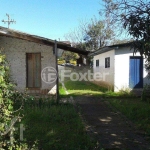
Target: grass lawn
(61,90)
(134,109)
(58,126)
(76,88)
(51,126)
(84,86)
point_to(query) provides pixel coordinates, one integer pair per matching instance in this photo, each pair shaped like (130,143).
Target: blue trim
(136,72)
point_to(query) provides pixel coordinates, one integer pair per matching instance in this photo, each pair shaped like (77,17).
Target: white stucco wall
(106,73)
(122,58)
(16,49)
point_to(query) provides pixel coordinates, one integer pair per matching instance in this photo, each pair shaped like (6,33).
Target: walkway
(111,129)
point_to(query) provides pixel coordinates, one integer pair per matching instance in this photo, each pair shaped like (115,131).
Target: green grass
(56,127)
(77,88)
(136,110)
(61,90)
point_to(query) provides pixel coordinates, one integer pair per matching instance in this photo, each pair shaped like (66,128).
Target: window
(33,61)
(97,63)
(107,62)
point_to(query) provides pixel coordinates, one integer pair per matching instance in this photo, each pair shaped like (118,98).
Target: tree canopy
(134,17)
(98,34)
(91,36)
(67,56)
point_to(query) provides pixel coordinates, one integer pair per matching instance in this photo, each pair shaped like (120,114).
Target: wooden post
(57,81)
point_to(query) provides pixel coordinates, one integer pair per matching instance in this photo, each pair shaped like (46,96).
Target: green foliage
(61,90)
(60,61)
(67,56)
(92,35)
(136,110)
(137,24)
(47,125)
(7,114)
(98,34)
(53,126)
(145,94)
(73,62)
(6,104)
(134,17)
(77,88)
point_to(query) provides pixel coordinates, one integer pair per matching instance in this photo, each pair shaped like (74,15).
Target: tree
(67,56)
(91,36)
(134,17)
(98,34)
(118,41)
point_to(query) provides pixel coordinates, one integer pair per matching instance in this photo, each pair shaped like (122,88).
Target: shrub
(145,93)
(7,115)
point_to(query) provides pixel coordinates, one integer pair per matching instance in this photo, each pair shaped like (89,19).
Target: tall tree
(134,17)
(91,36)
(98,34)
(67,56)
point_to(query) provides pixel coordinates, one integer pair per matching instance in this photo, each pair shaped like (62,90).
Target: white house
(119,68)
(28,55)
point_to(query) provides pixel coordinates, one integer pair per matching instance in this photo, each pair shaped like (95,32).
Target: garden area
(33,123)
(53,126)
(135,108)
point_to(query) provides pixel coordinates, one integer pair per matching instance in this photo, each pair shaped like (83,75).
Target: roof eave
(40,40)
(108,48)
(102,50)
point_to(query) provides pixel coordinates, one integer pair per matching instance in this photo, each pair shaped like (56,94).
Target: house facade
(119,68)
(32,59)
(26,60)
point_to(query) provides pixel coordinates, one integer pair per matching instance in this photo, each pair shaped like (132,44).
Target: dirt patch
(109,127)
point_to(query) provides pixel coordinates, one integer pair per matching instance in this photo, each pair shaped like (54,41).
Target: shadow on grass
(83,85)
(136,110)
(54,126)
(80,88)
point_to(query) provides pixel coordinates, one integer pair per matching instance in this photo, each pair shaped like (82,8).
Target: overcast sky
(48,18)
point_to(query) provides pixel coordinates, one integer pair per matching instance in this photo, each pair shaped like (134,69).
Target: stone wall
(15,51)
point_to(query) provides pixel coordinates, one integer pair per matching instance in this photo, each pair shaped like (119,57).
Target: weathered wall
(122,59)
(118,73)
(106,73)
(16,49)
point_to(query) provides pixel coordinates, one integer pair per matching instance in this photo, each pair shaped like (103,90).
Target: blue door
(136,72)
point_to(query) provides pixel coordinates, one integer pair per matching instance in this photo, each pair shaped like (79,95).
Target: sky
(48,18)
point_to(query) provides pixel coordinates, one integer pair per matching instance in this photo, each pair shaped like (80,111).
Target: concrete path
(111,129)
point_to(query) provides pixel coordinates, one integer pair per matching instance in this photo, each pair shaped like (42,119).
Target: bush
(145,93)
(7,114)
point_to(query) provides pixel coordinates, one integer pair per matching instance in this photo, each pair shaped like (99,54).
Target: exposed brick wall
(15,51)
